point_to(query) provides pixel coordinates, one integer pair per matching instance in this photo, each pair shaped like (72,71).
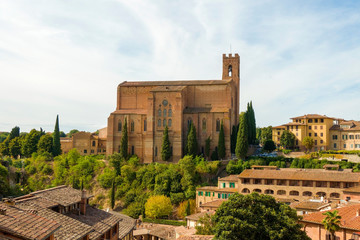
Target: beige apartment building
(285,184)
(328,133)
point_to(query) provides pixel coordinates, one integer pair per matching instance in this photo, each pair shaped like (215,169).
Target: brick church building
(149,106)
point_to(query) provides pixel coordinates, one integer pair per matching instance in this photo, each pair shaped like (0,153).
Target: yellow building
(328,133)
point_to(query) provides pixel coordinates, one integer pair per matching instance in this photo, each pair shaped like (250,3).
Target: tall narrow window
(159,112)
(119,126)
(132,150)
(189,122)
(159,123)
(145,125)
(217,125)
(170,122)
(170,113)
(204,124)
(155,151)
(132,126)
(164,112)
(230,71)
(164,123)
(93,143)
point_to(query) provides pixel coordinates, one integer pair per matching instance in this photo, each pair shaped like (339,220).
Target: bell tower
(231,70)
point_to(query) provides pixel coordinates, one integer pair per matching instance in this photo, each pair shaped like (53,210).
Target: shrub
(158,207)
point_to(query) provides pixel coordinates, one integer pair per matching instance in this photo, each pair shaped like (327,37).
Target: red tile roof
(349,217)
(25,224)
(312,116)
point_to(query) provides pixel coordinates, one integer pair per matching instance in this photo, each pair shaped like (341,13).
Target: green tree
(72,132)
(331,223)
(45,144)
(165,147)
(233,137)
(242,144)
(116,161)
(257,217)
(3,136)
(62,134)
(124,141)
(269,146)
(30,143)
(207,147)
(4,147)
(56,139)
(187,209)
(287,139)
(192,146)
(266,134)
(158,207)
(308,142)
(251,123)
(221,143)
(15,132)
(112,195)
(15,147)
(206,226)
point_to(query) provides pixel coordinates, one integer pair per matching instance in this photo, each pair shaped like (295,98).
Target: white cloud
(66,57)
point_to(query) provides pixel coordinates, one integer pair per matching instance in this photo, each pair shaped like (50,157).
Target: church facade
(149,106)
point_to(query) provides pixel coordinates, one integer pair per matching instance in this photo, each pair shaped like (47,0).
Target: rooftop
(349,217)
(302,174)
(312,116)
(25,224)
(174,83)
(310,205)
(234,177)
(215,203)
(197,216)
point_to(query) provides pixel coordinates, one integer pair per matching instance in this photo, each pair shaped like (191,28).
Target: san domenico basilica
(149,106)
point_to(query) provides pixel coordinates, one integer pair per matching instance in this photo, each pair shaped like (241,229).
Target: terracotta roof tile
(312,116)
(196,237)
(197,216)
(126,225)
(234,177)
(215,203)
(349,217)
(26,224)
(302,174)
(310,205)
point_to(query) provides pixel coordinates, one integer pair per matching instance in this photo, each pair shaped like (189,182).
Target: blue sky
(67,57)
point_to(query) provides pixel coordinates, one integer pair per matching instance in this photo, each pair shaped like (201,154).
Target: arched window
(159,122)
(145,125)
(321,194)
(204,124)
(170,122)
(164,123)
(307,194)
(294,193)
(281,192)
(269,191)
(230,70)
(119,126)
(245,190)
(257,190)
(132,126)
(170,113)
(217,125)
(159,112)
(334,195)
(164,112)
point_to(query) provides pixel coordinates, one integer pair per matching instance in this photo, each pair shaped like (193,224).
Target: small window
(145,125)
(85,151)
(164,122)
(132,126)
(159,123)
(92,151)
(155,151)
(230,70)
(170,113)
(189,122)
(169,122)
(164,112)
(204,124)
(132,150)
(93,143)
(309,134)
(315,134)
(159,112)
(334,145)
(217,125)
(309,127)
(119,126)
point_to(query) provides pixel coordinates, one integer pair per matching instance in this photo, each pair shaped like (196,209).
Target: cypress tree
(192,146)
(124,141)
(207,147)
(165,147)
(242,137)
(187,209)
(56,139)
(112,195)
(253,124)
(221,143)
(233,138)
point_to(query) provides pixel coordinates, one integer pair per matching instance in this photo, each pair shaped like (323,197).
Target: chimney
(83,202)
(2,211)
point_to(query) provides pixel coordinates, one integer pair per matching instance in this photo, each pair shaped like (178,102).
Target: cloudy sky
(67,57)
